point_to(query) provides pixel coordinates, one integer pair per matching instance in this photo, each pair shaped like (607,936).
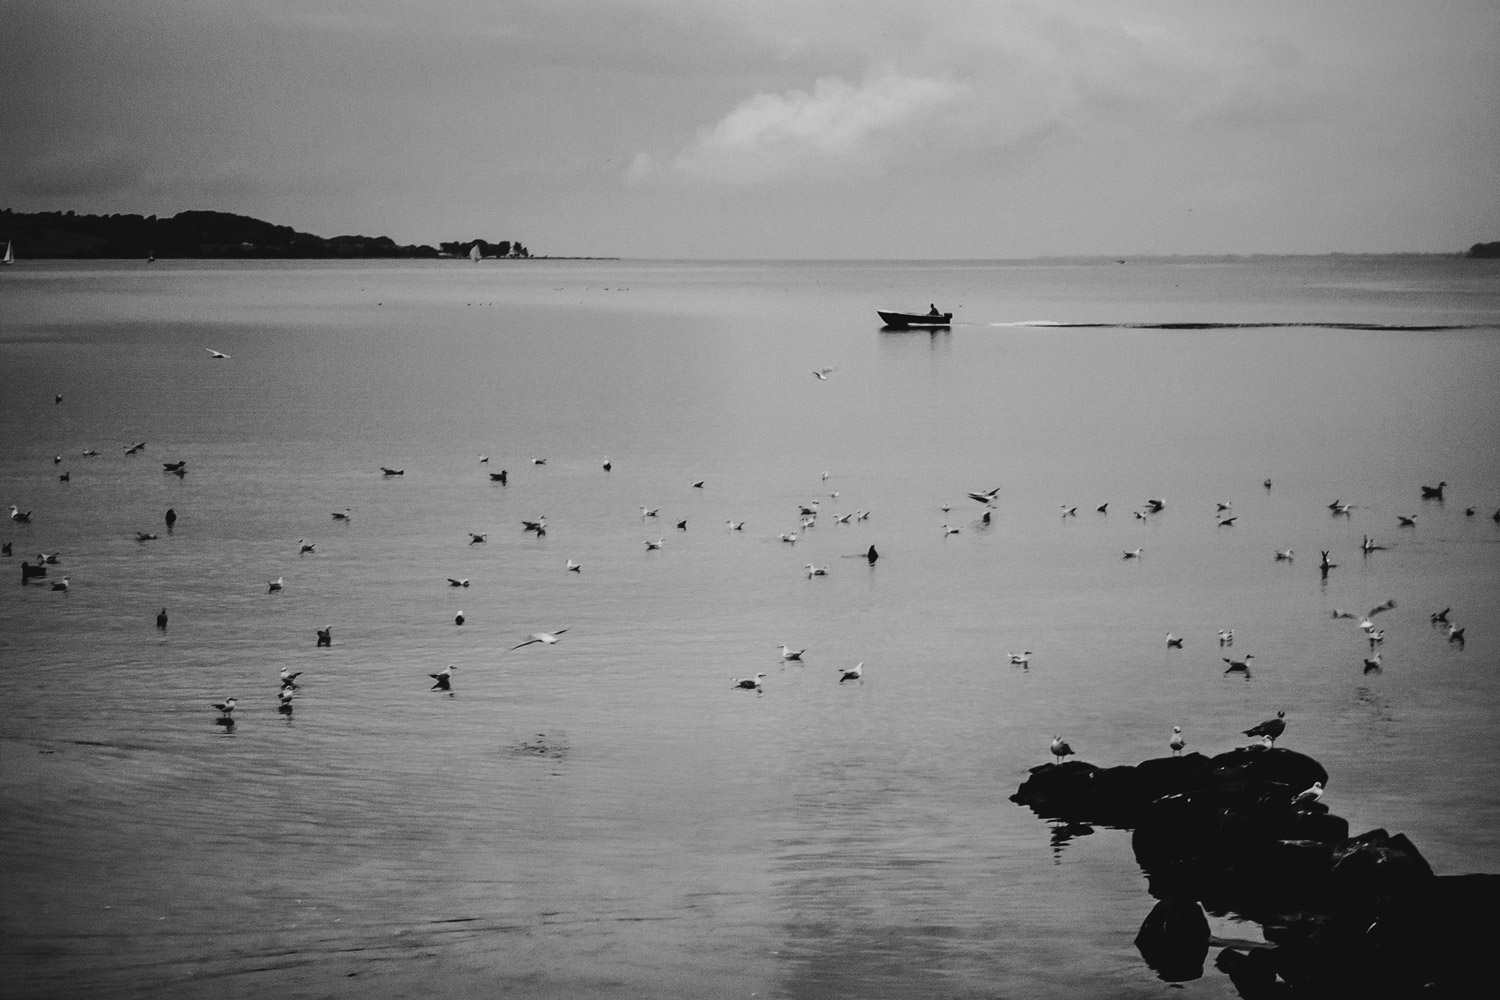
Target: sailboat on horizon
(10,255)
(474,253)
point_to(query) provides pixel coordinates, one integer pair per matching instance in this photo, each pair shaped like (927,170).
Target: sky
(788,129)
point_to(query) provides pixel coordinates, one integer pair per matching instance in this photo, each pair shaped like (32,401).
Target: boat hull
(915,319)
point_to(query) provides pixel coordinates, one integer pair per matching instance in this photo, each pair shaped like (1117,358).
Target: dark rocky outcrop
(1343,915)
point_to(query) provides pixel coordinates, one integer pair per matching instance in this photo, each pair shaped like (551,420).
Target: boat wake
(1234,326)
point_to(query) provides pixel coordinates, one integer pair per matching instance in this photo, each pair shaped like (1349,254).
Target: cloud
(834,129)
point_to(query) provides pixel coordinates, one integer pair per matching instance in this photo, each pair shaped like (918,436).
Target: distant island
(207,235)
(1484,250)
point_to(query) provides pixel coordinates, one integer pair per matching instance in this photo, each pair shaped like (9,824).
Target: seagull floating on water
(18,515)
(650,511)
(499,477)
(289,678)
(787,653)
(1455,632)
(949,531)
(145,536)
(607,465)
(1270,729)
(985,497)
(444,679)
(1174,641)
(574,567)
(453,582)
(538,461)
(284,701)
(1439,617)
(1239,666)
(853,673)
(1433,492)
(63,585)
(161,618)
(1283,555)
(458,619)
(226,706)
(386,470)
(1132,553)
(786,536)
(325,635)
(1176,742)
(1372,663)
(698,485)
(477,539)
(217,355)
(304,546)
(813,571)
(546,638)
(1022,659)
(1060,748)
(539,525)
(653,546)
(1227,522)
(342,517)
(1406,522)
(822,374)
(137,447)
(275,585)
(748,683)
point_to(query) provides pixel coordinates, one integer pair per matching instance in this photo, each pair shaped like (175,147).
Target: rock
(1174,939)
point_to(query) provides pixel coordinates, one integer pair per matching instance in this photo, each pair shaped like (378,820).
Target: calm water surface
(606,816)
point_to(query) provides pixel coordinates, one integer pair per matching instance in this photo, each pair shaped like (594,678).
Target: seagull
(341,517)
(808,511)
(736,525)
(226,706)
(483,459)
(650,511)
(1221,506)
(289,678)
(452,582)
(822,374)
(1103,508)
(1367,544)
(217,355)
(458,619)
(1341,613)
(1340,508)
(1227,522)
(1376,637)
(1270,729)
(682,525)
(386,470)
(65,477)
(1405,521)
(305,546)
(546,638)
(325,635)
(985,497)
(1439,617)
(790,537)
(1366,623)
(813,571)
(748,683)
(1372,663)
(949,531)
(284,699)
(499,477)
(539,525)
(1060,748)
(853,673)
(787,653)
(1156,506)
(1455,632)
(1226,637)
(22,516)
(1267,484)
(1132,553)
(1283,555)
(1069,511)
(174,466)
(651,546)
(1433,492)
(63,585)
(1325,564)
(861,515)
(699,484)
(1174,641)
(88,453)
(145,536)
(843,518)
(1176,742)
(275,585)
(608,465)
(170,517)
(138,446)
(161,618)
(51,560)
(444,679)
(538,461)
(872,555)
(574,567)
(1022,659)
(477,539)
(1311,795)
(1240,666)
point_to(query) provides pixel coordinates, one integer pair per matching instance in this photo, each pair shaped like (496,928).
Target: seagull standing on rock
(1270,729)
(1060,748)
(1176,742)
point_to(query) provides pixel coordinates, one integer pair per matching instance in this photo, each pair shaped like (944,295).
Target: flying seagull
(546,638)
(853,673)
(217,355)
(985,497)
(822,374)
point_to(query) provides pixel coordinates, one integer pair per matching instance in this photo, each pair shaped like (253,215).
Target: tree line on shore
(201,234)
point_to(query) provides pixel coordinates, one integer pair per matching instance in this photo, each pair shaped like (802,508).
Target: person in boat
(933,310)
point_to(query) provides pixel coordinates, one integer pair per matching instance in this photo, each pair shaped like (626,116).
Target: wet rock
(1174,939)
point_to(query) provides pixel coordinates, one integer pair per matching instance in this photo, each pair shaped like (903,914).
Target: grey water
(608,816)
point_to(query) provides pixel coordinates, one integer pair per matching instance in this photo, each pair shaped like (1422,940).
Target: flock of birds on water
(1267,732)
